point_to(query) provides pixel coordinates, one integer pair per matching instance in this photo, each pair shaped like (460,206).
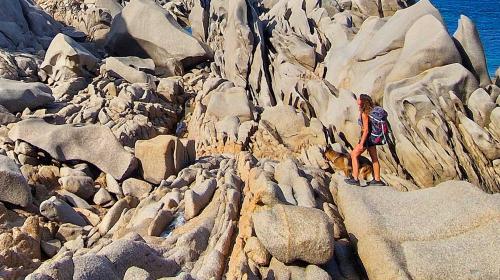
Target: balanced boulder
(293,233)
(95,144)
(131,35)
(13,186)
(16,96)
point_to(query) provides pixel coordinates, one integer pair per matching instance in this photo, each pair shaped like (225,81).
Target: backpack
(379,127)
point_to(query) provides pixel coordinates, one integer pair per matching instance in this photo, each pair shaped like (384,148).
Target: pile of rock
(154,139)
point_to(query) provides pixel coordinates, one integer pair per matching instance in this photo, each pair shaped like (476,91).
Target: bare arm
(364,136)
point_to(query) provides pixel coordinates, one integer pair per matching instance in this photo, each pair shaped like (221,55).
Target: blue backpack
(379,128)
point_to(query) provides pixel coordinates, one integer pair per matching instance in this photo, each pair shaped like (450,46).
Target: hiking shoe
(352,181)
(376,183)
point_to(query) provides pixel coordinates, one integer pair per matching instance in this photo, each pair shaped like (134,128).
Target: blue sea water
(486,16)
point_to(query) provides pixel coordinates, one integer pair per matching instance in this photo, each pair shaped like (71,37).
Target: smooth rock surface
(58,210)
(404,235)
(91,143)
(130,35)
(161,157)
(66,59)
(16,96)
(292,233)
(13,186)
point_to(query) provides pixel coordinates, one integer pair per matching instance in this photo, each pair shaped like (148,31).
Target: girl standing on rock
(373,121)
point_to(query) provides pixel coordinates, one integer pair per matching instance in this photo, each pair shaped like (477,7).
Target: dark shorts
(369,143)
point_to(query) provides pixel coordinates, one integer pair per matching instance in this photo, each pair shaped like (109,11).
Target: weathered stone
(382,8)
(136,273)
(199,20)
(130,35)
(293,127)
(161,157)
(13,186)
(66,59)
(57,210)
(198,197)
(16,96)
(471,49)
(93,267)
(73,199)
(82,186)
(256,251)
(71,172)
(51,247)
(124,254)
(238,43)
(232,102)
(287,175)
(96,144)
(130,68)
(481,106)
(102,197)
(292,233)
(6,117)
(26,26)
(114,213)
(136,188)
(169,89)
(419,55)
(405,235)
(112,185)
(160,222)
(111,5)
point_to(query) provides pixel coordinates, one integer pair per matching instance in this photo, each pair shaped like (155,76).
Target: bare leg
(376,164)
(355,162)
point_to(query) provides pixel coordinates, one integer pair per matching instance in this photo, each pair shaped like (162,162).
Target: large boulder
(83,186)
(161,157)
(427,45)
(13,186)
(471,49)
(95,144)
(481,106)
(24,25)
(65,59)
(293,233)
(131,69)
(424,234)
(238,43)
(16,96)
(6,117)
(433,139)
(112,6)
(131,35)
(92,267)
(57,210)
(363,68)
(295,129)
(197,197)
(198,20)
(124,254)
(232,102)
